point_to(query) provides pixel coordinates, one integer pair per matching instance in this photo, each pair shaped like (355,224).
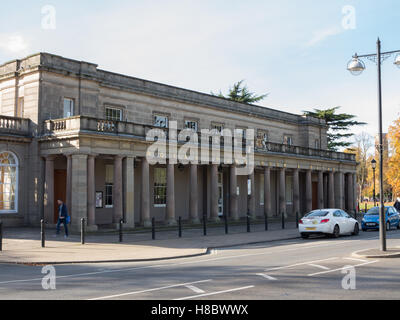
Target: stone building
(71,131)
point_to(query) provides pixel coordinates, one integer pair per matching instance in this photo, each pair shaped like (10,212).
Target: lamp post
(373,164)
(356,67)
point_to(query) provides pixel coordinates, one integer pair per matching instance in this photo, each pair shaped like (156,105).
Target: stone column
(331,192)
(194,194)
(267,192)
(282,192)
(49,190)
(325,178)
(171,219)
(233,193)
(69,175)
(296,192)
(339,191)
(320,189)
(129,183)
(91,183)
(308,191)
(117,190)
(252,196)
(79,189)
(350,193)
(355,188)
(145,195)
(214,193)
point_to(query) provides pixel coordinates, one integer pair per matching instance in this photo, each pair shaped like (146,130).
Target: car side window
(337,214)
(344,214)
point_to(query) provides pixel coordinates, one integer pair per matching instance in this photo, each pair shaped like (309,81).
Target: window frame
(16,188)
(161,186)
(155,115)
(108,107)
(72,104)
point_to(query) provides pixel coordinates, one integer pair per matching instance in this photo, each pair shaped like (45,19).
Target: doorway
(315,195)
(60,190)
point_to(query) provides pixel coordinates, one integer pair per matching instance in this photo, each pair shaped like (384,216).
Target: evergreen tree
(338,124)
(241,93)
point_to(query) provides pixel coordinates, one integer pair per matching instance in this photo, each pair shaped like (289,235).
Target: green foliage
(241,93)
(338,124)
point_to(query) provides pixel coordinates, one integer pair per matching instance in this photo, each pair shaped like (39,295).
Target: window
(109,180)
(316,145)
(262,139)
(262,189)
(113,114)
(68,108)
(288,140)
(160,187)
(8,183)
(161,121)
(191,124)
(217,126)
(289,190)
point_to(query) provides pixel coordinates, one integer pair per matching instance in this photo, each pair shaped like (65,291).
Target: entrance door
(220,194)
(315,195)
(60,189)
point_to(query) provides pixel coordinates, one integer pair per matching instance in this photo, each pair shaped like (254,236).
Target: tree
(241,93)
(338,125)
(393,173)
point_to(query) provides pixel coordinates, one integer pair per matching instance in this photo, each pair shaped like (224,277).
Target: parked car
(332,222)
(371,219)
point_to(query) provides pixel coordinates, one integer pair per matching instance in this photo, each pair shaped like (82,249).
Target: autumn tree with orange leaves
(393,174)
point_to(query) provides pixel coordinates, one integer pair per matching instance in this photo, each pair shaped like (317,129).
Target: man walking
(62,218)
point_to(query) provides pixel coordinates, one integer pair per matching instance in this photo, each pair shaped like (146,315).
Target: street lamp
(373,164)
(356,67)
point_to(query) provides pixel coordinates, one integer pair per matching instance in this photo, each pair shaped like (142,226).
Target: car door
(339,220)
(347,222)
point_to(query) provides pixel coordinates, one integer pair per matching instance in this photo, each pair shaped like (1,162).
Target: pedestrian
(397,204)
(62,218)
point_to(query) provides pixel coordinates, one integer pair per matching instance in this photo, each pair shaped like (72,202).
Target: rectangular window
(262,189)
(160,187)
(289,190)
(191,124)
(109,179)
(68,108)
(161,121)
(288,140)
(217,126)
(113,114)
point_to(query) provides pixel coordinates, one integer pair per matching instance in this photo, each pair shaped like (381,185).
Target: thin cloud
(13,43)
(321,35)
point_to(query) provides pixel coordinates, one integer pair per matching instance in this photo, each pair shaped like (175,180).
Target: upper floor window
(288,140)
(316,144)
(262,139)
(68,107)
(8,183)
(191,124)
(113,114)
(160,121)
(217,126)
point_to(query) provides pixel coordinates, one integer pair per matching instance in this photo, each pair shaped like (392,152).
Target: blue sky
(296,51)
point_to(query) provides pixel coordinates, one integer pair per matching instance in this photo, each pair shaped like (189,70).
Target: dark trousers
(59,222)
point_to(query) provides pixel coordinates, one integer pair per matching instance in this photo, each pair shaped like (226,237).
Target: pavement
(377,253)
(23,245)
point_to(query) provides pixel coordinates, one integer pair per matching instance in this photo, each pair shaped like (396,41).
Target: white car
(333,222)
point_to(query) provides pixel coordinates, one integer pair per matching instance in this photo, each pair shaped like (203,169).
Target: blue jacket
(64,210)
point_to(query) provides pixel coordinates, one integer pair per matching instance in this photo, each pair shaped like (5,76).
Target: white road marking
(195,289)
(266,276)
(149,290)
(343,268)
(355,259)
(214,293)
(319,266)
(299,264)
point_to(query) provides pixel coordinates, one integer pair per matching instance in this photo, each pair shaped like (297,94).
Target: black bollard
(365,210)
(120,229)
(204,224)
(283,220)
(180,227)
(153,228)
(266,222)
(297,220)
(42,233)
(1,236)
(226,223)
(83,231)
(248,223)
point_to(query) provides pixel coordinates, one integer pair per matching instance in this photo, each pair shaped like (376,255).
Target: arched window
(8,183)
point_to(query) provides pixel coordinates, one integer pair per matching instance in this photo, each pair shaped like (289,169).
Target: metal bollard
(365,210)
(1,236)
(226,223)
(120,229)
(180,227)
(248,223)
(283,220)
(42,233)
(83,231)
(266,222)
(297,220)
(204,224)
(153,228)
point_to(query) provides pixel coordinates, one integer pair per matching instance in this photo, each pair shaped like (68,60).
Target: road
(292,269)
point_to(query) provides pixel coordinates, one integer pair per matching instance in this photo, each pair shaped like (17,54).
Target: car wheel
(305,235)
(388,226)
(356,230)
(336,232)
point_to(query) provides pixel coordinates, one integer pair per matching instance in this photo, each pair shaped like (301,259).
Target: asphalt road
(294,269)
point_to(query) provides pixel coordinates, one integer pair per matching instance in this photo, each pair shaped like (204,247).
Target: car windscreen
(318,213)
(375,211)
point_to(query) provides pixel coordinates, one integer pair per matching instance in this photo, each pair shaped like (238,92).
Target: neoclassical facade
(71,131)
